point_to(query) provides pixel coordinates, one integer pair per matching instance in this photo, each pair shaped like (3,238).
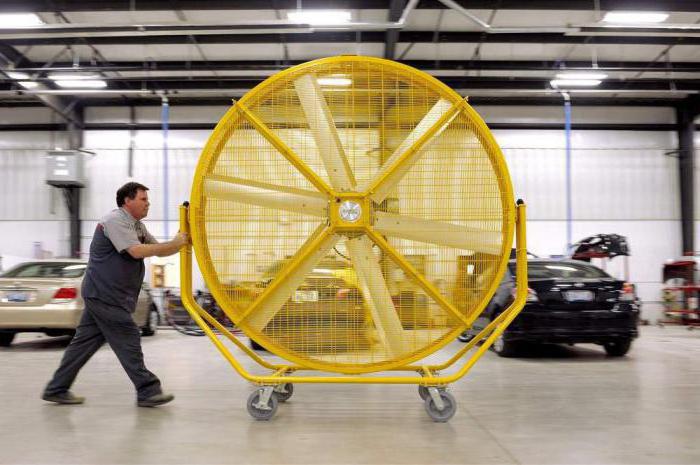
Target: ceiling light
(320,17)
(574,82)
(16,75)
(628,17)
(334,81)
(584,76)
(19,20)
(82,84)
(72,76)
(25,84)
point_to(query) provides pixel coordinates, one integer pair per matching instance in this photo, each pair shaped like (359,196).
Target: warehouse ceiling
(207,52)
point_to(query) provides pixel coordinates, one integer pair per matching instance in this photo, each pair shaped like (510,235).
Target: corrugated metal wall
(622,183)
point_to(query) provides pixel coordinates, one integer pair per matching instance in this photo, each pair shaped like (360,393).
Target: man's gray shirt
(113,275)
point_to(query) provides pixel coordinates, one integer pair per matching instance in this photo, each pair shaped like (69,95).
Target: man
(110,288)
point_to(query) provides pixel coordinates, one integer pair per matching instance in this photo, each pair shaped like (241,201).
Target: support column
(72,193)
(685,118)
(72,196)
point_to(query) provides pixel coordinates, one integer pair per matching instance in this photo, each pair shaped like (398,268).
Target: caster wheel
(423,391)
(448,410)
(261,413)
(286,391)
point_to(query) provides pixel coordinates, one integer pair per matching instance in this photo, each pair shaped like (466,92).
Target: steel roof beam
(351,37)
(163,5)
(425,65)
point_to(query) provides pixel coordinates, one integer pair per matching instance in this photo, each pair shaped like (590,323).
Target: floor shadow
(40,343)
(583,353)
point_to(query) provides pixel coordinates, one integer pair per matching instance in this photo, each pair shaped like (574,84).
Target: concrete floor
(558,405)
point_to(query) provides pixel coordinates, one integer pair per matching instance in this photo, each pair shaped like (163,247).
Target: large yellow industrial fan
(352,215)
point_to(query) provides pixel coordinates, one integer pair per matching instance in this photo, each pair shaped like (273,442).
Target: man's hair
(129,190)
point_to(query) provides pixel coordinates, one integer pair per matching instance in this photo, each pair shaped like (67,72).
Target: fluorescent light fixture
(334,81)
(584,76)
(72,76)
(634,17)
(18,20)
(320,17)
(574,82)
(25,84)
(82,84)
(16,75)
(29,84)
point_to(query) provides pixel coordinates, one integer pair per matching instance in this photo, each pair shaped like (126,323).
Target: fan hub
(350,213)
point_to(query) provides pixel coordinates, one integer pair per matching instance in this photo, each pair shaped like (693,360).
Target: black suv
(568,302)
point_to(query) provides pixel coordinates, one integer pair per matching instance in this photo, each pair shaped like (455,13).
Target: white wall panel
(19,237)
(538,178)
(554,114)
(23,190)
(622,183)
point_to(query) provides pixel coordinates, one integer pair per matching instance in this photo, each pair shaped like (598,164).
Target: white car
(44,296)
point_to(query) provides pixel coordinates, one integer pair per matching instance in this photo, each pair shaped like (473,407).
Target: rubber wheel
(504,347)
(261,414)
(465,337)
(6,338)
(441,416)
(284,396)
(618,348)
(424,393)
(151,322)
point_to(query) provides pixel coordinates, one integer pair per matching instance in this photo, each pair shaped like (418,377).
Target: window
(46,270)
(563,270)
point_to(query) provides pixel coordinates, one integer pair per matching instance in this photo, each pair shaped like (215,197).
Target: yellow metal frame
(428,375)
(335,225)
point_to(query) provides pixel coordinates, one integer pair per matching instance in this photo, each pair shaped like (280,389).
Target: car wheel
(504,347)
(618,348)
(6,338)
(151,322)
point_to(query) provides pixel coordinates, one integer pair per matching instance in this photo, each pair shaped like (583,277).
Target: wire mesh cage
(352,215)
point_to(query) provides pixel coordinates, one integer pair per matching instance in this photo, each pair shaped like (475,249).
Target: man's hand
(180,240)
(159,250)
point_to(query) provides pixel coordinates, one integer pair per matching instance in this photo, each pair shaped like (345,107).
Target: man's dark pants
(102,322)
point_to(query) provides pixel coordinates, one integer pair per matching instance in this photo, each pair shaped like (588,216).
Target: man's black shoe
(156,400)
(67,398)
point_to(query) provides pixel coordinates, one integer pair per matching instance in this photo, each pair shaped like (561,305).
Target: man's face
(138,206)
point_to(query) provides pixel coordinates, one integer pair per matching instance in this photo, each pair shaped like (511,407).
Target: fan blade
(266,195)
(322,126)
(439,233)
(410,150)
(377,295)
(292,275)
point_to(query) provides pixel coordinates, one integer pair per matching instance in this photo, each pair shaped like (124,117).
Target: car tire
(6,338)
(152,321)
(618,348)
(505,348)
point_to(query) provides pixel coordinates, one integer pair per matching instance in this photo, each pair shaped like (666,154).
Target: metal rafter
(132,38)
(161,5)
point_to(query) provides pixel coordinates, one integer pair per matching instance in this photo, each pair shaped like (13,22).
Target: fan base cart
(276,384)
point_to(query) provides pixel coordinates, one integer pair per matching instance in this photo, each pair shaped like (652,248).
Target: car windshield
(46,270)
